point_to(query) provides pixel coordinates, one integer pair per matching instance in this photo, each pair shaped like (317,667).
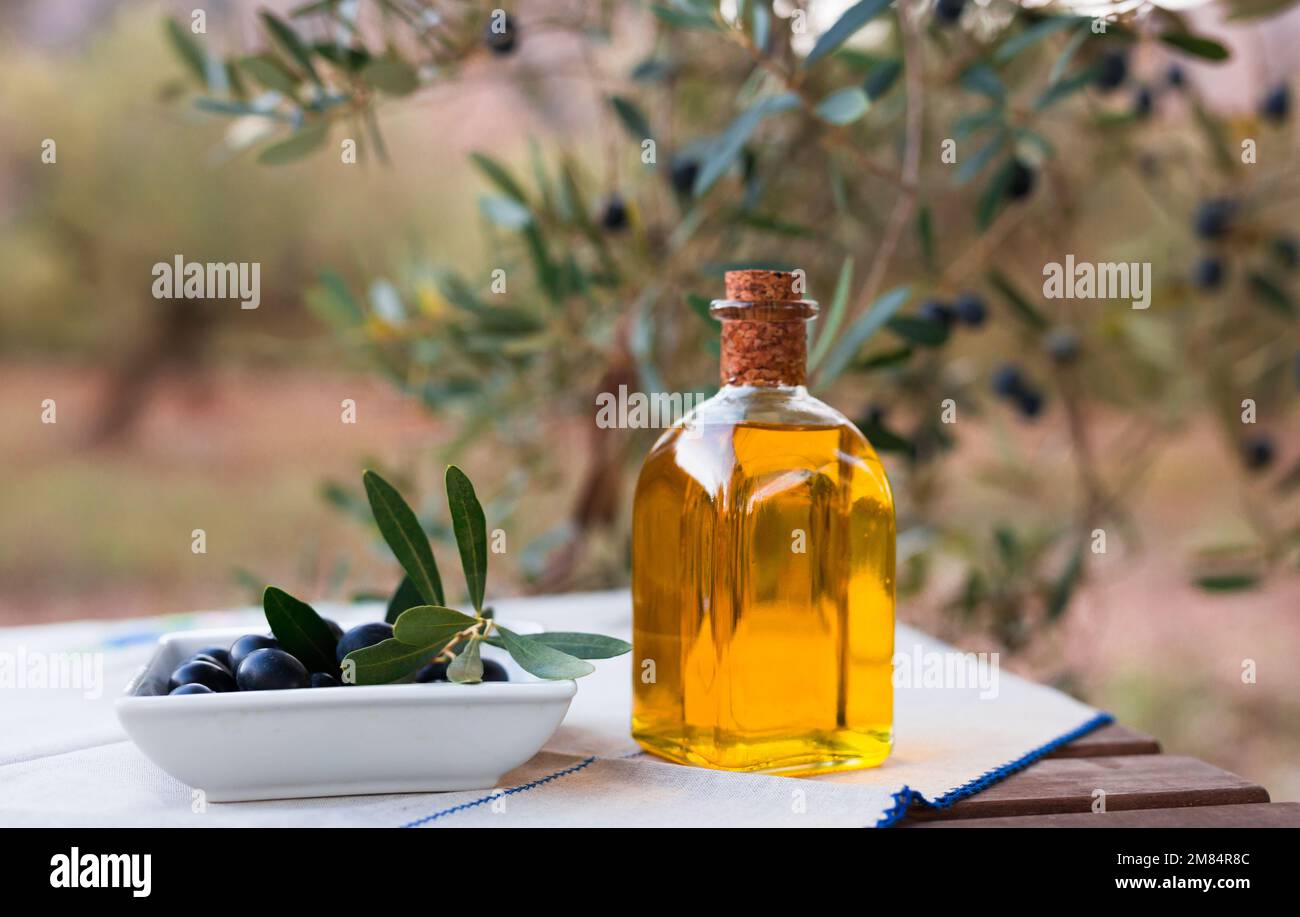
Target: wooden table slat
(1254,815)
(1130,782)
(1108,741)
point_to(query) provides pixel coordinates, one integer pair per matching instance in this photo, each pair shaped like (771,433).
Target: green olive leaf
(499,175)
(267,70)
(302,142)
(285,36)
(830,325)
(860,331)
(1033,35)
(188,50)
(471,533)
(391,75)
(580,646)
(467,667)
(854,18)
(384,662)
(536,658)
(402,532)
(301,631)
(729,144)
(428,624)
(634,121)
(1196,45)
(844,106)
(404,597)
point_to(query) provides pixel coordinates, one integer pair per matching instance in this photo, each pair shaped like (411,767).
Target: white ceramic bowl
(350,740)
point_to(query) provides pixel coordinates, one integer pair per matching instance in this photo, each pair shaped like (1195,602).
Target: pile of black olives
(256,662)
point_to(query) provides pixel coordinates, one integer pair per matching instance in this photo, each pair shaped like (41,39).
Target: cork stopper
(760,286)
(764,341)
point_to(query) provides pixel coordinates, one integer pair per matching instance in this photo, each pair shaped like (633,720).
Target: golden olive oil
(763,588)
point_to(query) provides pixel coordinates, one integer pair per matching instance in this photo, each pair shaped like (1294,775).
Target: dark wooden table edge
(1149,790)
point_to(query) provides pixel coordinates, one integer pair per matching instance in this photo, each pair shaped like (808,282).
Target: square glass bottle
(763,564)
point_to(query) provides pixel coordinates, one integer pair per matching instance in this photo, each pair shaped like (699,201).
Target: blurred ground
(106,532)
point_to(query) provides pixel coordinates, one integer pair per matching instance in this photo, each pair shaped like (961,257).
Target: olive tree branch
(833,135)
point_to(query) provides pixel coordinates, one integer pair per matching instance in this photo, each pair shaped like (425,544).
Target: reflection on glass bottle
(763,564)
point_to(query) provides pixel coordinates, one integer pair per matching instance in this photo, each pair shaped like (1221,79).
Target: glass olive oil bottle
(763,564)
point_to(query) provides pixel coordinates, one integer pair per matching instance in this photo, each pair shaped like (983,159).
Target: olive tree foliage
(923,164)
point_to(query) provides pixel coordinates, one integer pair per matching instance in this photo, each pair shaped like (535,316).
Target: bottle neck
(764,352)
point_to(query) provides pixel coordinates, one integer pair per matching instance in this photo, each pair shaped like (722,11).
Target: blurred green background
(175,417)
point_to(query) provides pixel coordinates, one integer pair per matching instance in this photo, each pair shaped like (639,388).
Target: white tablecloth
(65,760)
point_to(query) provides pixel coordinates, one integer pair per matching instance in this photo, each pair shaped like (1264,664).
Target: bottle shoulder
(744,436)
(775,405)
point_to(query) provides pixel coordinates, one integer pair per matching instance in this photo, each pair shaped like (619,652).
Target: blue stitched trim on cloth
(902,799)
(522,788)
(906,796)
